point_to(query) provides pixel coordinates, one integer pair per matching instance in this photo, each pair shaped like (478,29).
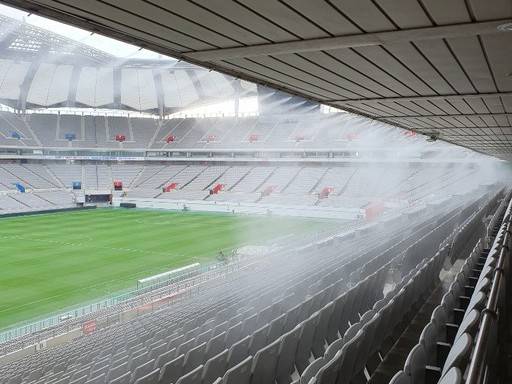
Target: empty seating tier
(285,320)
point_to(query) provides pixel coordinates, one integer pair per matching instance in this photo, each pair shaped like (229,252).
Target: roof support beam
(467,96)
(352,41)
(456,115)
(435,129)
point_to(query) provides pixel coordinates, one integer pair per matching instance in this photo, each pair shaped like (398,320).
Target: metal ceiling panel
(444,12)
(364,14)
(439,54)
(350,63)
(424,65)
(285,17)
(240,14)
(411,56)
(300,68)
(395,68)
(203,16)
(324,15)
(405,13)
(490,10)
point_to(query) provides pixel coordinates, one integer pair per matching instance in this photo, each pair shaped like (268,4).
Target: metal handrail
(489,314)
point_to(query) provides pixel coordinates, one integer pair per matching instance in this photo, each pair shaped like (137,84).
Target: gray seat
(235,320)
(332,349)
(118,370)
(276,327)
(79,380)
(249,325)
(234,333)
(369,345)
(292,317)
(100,379)
(81,372)
(453,376)
(312,370)
(321,330)
(192,334)
(175,342)
(238,351)
(348,356)
(477,301)
(265,364)
(183,348)
(149,378)
(286,361)
(193,377)
(194,357)
(259,339)
(333,325)
(265,315)
(122,379)
(172,370)
(164,358)
(240,373)
(219,328)
(328,373)
(415,364)
(215,367)
(458,354)
(143,369)
(157,350)
(469,323)
(400,378)
(305,343)
(138,360)
(204,337)
(63,380)
(215,345)
(428,339)
(99,371)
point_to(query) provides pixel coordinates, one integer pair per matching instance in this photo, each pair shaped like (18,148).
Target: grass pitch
(53,261)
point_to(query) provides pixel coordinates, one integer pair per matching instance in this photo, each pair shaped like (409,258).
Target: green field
(53,261)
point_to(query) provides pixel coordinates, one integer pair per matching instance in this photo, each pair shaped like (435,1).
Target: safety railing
(69,319)
(486,341)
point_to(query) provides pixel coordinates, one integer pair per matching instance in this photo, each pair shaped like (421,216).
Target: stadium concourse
(287,208)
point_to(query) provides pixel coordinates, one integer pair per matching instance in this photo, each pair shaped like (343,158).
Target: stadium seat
(453,376)
(143,370)
(259,339)
(215,367)
(400,378)
(240,373)
(215,345)
(238,351)
(286,359)
(459,353)
(172,370)
(194,357)
(165,357)
(265,364)
(192,377)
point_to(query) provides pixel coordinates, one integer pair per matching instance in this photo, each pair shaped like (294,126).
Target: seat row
(286,310)
(444,348)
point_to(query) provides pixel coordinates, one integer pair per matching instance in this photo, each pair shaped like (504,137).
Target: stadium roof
(439,67)
(41,69)
(21,40)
